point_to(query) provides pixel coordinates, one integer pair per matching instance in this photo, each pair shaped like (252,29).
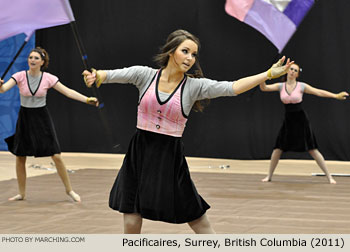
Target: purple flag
(276,19)
(26,16)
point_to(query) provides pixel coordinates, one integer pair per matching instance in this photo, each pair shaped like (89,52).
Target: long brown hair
(44,56)
(173,41)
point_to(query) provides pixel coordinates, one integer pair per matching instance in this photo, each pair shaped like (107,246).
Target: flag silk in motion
(276,19)
(26,16)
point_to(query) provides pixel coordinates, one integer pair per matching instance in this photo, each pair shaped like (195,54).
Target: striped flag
(276,19)
(26,16)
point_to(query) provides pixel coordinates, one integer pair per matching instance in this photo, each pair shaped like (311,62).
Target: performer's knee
(132,220)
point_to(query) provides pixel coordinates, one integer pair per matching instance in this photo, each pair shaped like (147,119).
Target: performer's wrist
(268,74)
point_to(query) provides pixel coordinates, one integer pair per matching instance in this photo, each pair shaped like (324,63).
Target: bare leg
(21,178)
(62,172)
(132,223)
(322,164)
(275,157)
(201,225)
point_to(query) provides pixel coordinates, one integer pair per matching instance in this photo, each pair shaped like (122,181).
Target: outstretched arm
(4,87)
(247,83)
(323,93)
(72,94)
(269,88)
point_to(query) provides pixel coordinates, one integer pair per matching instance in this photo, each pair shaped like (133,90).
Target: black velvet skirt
(155,182)
(35,134)
(296,133)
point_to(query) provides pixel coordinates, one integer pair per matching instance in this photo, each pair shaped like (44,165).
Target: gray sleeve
(302,86)
(208,89)
(280,86)
(200,89)
(136,75)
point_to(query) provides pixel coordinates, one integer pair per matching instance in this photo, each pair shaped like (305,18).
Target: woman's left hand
(341,95)
(92,101)
(278,69)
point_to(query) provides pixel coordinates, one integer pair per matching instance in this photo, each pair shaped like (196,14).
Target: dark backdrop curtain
(120,33)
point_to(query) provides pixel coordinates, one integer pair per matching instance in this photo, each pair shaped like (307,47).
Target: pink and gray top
(167,113)
(163,117)
(33,89)
(296,96)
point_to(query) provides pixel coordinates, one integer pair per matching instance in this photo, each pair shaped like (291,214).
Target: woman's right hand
(89,77)
(1,82)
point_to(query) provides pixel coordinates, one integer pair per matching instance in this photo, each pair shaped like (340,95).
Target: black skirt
(35,134)
(155,182)
(296,133)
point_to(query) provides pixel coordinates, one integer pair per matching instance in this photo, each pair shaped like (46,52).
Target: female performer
(154,181)
(35,133)
(296,133)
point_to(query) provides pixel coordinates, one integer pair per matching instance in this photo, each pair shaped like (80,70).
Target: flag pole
(17,54)
(95,91)
(84,59)
(80,45)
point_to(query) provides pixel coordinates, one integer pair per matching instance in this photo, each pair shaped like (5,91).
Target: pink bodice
(161,117)
(47,81)
(296,96)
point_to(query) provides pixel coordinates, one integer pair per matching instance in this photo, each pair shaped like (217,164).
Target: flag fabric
(10,101)
(277,20)
(26,16)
